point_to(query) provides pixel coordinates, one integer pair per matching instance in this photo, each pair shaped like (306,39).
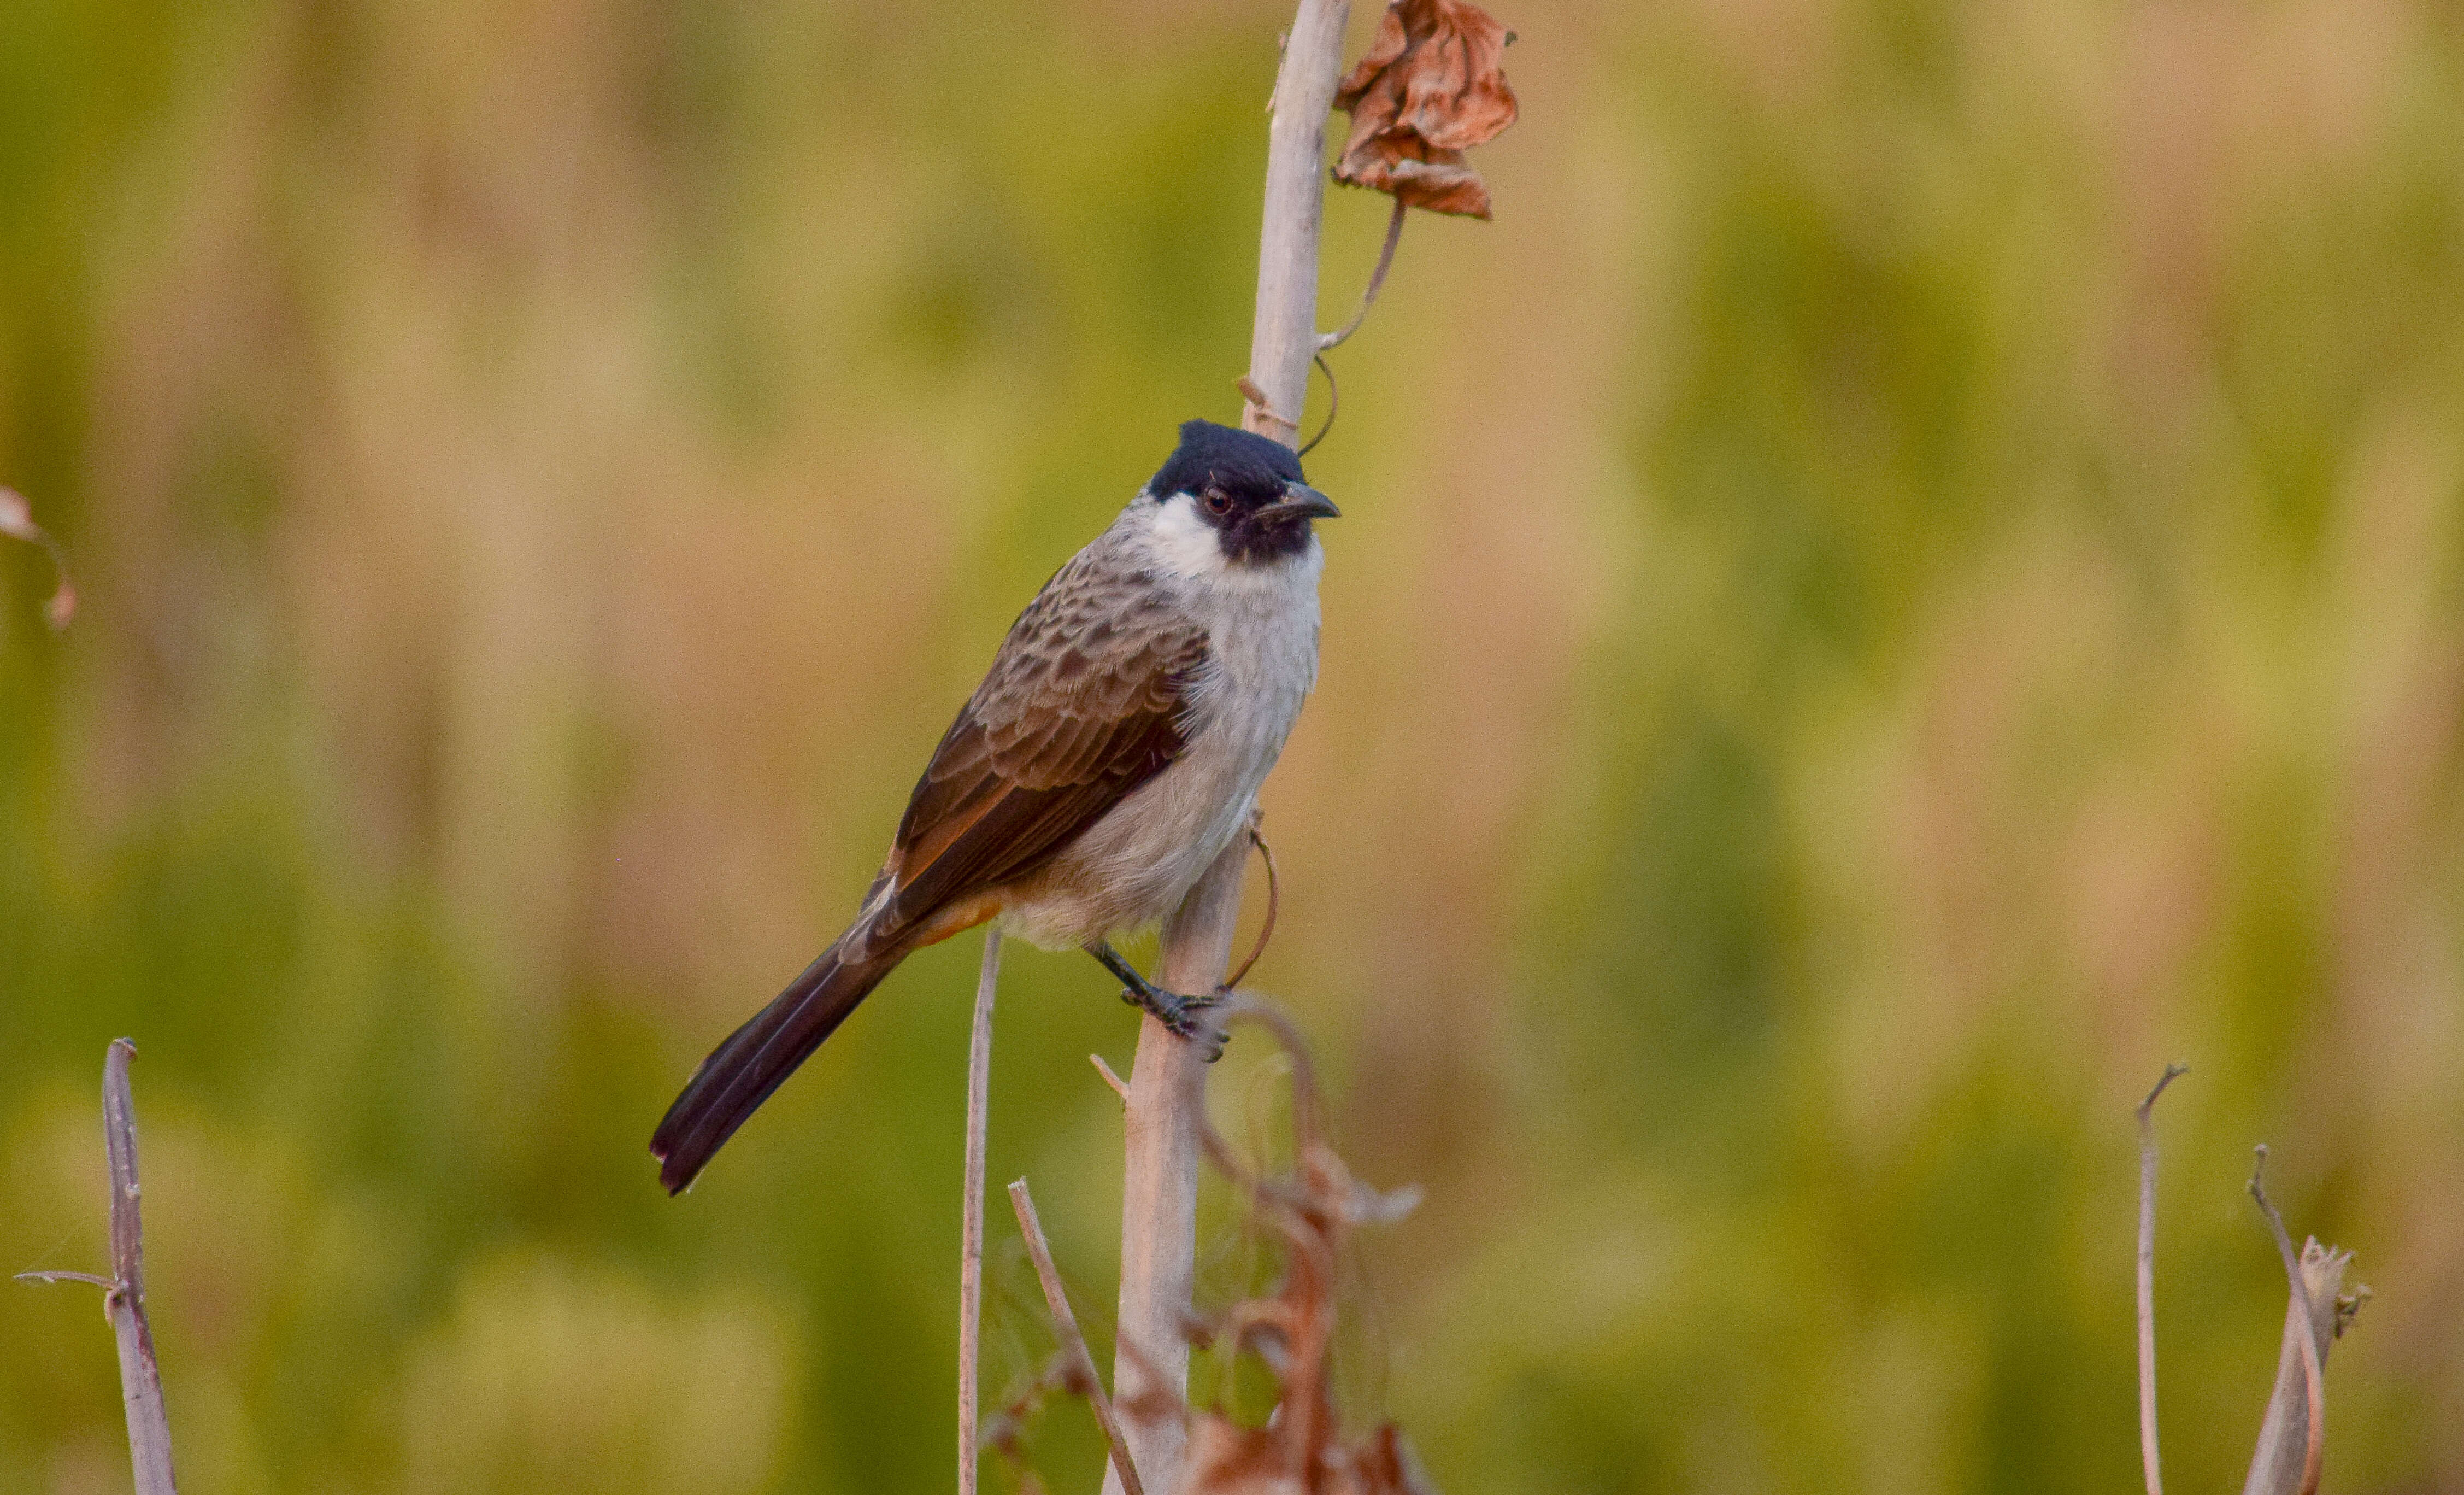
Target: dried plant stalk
(1284,336)
(971,1249)
(141,1379)
(1160,1185)
(2293,1436)
(1080,1365)
(1313,1206)
(2150,1465)
(1168,1081)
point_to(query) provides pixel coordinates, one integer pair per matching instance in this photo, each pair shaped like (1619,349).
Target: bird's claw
(1180,1015)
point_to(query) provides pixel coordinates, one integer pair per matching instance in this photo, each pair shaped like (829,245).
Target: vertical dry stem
(1166,1086)
(971,1250)
(1159,1186)
(1284,337)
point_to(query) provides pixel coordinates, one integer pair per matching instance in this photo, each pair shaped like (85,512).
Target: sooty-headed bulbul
(1113,752)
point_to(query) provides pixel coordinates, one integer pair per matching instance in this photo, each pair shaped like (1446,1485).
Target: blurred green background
(1915,574)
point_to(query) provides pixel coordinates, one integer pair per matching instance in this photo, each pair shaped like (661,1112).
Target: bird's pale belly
(1134,866)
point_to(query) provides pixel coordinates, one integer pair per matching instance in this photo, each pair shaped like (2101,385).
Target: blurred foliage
(1915,574)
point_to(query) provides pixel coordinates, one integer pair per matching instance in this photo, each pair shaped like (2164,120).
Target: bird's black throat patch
(1232,476)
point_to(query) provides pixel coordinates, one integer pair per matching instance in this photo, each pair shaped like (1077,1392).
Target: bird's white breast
(1134,865)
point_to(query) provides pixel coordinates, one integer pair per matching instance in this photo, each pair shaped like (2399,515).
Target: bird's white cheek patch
(1185,541)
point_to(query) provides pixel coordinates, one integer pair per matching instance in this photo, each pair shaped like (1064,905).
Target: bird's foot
(1181,1015)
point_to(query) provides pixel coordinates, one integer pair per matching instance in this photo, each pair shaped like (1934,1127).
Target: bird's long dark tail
(741,1073)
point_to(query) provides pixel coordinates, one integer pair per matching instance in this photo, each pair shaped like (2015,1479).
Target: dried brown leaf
(1431,87)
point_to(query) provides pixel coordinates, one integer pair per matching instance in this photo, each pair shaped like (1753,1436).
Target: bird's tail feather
(741,1073)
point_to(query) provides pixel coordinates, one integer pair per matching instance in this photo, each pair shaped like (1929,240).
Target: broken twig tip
(2172,1072)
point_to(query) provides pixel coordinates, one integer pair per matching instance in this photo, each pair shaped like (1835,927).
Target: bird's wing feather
(1086,700)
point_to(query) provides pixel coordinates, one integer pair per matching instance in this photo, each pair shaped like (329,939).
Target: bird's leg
(1173,1010)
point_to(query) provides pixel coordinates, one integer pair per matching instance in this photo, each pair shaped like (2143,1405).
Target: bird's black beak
(1301,501)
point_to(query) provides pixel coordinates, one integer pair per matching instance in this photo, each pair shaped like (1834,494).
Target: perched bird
(1113,752)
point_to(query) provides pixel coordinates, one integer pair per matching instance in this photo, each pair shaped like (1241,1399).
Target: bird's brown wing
(1086,700)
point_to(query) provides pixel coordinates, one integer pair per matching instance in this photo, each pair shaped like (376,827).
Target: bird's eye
(1218,501)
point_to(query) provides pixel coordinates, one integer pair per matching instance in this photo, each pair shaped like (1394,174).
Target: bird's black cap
(1240,460)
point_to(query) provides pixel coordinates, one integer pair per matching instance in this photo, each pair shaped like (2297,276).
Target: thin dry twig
(971,1250)
(1334,403)
(2150,1464)
(106,1284)
(1274,906)
(1120,1086)
(1081,1365)
(123,1302)
(1377,281)
(2313,1374)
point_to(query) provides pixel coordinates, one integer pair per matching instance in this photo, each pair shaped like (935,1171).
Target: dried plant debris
(1431,87)
(1301,1450)
(1227,1458)
(17,522)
